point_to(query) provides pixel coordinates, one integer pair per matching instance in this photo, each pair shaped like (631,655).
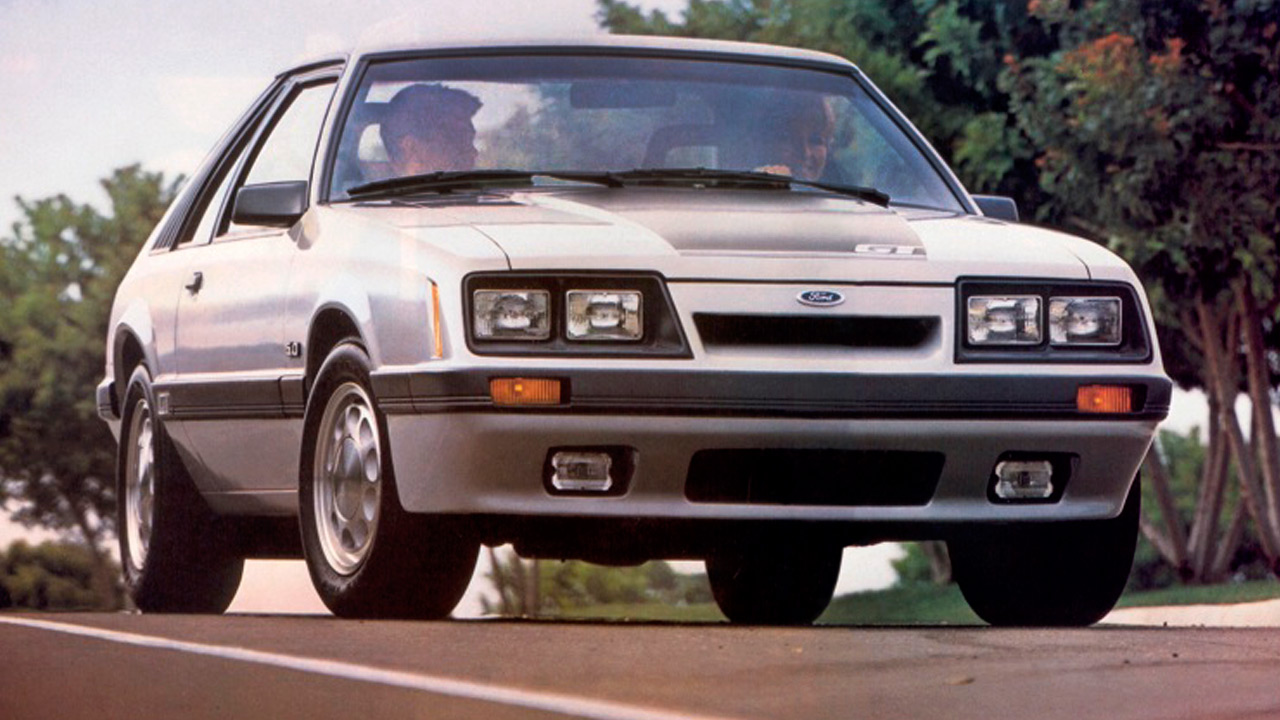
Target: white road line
(571,705)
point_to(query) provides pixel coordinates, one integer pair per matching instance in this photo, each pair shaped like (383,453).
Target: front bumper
(456,453)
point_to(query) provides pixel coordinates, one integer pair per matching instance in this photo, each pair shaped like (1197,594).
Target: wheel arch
(133,344)
(331,325)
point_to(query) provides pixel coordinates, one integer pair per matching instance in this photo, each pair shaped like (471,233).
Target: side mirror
(277,204)
(995,206)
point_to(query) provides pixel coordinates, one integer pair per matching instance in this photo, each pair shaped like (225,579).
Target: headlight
(1004,320)
(511,314)
(604,315)
(550,313)
(1084,320)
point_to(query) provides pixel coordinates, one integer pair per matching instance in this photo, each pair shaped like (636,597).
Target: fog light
(1024,479)
(581,471)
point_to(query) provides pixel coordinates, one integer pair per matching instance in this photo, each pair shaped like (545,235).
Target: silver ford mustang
(617,300)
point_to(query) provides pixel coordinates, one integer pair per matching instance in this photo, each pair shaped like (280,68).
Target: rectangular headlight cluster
(589,315)
(1001,320)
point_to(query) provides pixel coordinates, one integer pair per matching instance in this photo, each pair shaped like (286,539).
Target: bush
(52,576)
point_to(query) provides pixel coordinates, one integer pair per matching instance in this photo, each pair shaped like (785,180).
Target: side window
(209,215)
(290,146)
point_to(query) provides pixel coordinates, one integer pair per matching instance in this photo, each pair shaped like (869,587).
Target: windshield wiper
(746,178)
(449,180)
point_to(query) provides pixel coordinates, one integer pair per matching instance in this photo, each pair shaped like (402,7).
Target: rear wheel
(784,583)
(366,555)
(1055,574)
(178,556)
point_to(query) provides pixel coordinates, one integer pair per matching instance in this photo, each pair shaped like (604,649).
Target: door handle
(196,282)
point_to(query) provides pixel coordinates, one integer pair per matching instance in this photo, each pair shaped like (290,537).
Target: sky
(86,87)
(89,86)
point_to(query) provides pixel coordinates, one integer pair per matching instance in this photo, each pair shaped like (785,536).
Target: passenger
(428,128)
(800,128)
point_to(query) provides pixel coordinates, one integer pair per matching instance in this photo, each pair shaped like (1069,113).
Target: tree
(54,576)
(58,273)
(939,60)
(1160,129)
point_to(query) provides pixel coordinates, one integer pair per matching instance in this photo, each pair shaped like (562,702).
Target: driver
(801,128)
(429,128)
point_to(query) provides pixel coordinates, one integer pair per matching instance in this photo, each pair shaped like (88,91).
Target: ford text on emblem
(820,298)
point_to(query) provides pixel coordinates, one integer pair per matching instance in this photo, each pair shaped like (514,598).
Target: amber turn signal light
(525,391)
(1104,399)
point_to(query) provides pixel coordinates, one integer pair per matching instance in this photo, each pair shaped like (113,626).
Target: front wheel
(1053,574)
(783,583)
(366,555)
(178,556)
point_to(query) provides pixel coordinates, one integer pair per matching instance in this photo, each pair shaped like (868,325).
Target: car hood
(687,233)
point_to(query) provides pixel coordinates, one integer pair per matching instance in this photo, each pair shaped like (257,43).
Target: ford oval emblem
(820,298)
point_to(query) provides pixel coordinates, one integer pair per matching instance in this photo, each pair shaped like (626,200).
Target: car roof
(605,43)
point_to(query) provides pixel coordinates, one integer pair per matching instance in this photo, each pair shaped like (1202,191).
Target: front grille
(803,330)
(814,477)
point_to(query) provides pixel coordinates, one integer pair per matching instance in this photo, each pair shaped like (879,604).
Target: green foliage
(58,272)
(571,587)
(913,567)
(939,60)
(578,584)
(53,576)
(1160,123)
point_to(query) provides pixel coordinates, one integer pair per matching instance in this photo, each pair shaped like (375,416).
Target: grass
(1226,593)
(923,604)
(916,604)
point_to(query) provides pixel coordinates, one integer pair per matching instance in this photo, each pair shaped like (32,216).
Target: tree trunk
(1173,541)
(1227,546)
(1213,483)
(532,593)
(499,582)
(1264,439)
(1216,359)
(103,579)
(939,560)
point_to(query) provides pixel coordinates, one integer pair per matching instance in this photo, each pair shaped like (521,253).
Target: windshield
(581,114)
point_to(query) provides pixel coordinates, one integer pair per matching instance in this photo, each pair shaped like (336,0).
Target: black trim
(224,400)
(293,395)
(695,393)
(760,394)
(814,477)
(1135,344)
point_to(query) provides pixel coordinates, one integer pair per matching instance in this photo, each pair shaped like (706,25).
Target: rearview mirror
(597,95)
(277,204)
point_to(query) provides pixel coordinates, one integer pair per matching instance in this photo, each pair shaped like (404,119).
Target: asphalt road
(134,666)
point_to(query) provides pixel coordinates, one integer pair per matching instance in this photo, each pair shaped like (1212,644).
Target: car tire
(778,584)
(367,556)
(1065,574)
(177,555)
